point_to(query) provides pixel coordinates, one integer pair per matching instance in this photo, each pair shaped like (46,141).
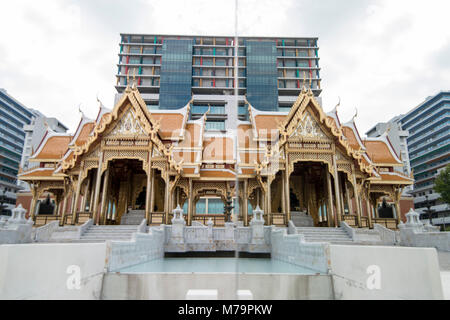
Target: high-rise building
(13,117)
(398,140)
(429,148)
(171,70)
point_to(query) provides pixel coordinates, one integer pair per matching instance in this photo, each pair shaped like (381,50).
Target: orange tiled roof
(351,137)
(171,124)
(188,170)
(266,125)
(192,136)
(224,174)
(39,172)
(378,151)
(84,133)
(395,177)
(55,147)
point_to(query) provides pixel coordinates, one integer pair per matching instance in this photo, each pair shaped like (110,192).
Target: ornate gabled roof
(132,100)
(351,133)
(39,173)
(172,122)
(381,151)
(52,147)
(84,129)
(102,111)
(297,114)
(265,123)
(333,115)
(392,178)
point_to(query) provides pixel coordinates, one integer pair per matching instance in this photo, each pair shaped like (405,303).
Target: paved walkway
(444,264)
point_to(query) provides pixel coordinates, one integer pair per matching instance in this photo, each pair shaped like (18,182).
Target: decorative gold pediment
(128,125)
(308,127)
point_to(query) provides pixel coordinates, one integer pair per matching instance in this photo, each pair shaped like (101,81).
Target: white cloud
(381,56)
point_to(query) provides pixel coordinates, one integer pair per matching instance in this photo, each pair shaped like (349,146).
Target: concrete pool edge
(174,286)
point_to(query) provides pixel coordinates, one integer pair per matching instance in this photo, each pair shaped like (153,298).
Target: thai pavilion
(131,159)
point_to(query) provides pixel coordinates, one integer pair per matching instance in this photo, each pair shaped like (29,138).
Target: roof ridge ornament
(356,114)
(134,87)
(83,116)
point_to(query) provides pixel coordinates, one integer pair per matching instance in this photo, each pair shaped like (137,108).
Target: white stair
(103,233)
(331,235)
(133,217)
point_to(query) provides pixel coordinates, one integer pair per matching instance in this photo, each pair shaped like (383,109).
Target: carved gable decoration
(308,127)
(128,125)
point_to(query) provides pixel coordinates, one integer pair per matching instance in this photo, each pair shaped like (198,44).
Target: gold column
(268,202)
(287,194)
(104,195)
(357,199)
(97,188)
(283,196)
(398,195)
(86,191)
(63,213)
(337,190)
(369,210)
(245,200)
(330,212)
(190,204)
(152,195)
(77,196)
(34,193)
(92,189)
(349,202)
(148,195)
(167,196)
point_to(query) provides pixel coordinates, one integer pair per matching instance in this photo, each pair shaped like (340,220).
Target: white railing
(142,248)
(293,249)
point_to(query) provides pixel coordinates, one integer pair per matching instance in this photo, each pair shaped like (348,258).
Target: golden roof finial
(304,79)
(79,110)
(134,78)
(339,103)
(356,114)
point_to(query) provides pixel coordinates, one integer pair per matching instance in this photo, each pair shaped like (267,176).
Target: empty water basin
(218,265)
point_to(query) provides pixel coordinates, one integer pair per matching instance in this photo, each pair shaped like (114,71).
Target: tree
(442,184)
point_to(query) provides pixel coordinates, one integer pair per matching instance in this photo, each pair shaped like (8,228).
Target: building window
(215,125)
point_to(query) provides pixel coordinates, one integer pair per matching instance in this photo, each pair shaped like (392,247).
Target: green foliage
(442,184)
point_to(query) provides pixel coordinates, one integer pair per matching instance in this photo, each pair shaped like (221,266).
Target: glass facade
(262,75)
(176,74)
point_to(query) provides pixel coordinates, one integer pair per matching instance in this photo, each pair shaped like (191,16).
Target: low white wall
(43,271)
(160,286)
(414,238)
(293,249)
(404,273)
(142,248)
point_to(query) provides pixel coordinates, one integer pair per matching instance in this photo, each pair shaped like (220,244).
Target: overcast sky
(380,56)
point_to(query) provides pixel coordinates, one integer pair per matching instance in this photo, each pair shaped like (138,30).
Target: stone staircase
(301,219)
(133,217)
(331,235)
(103,233)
